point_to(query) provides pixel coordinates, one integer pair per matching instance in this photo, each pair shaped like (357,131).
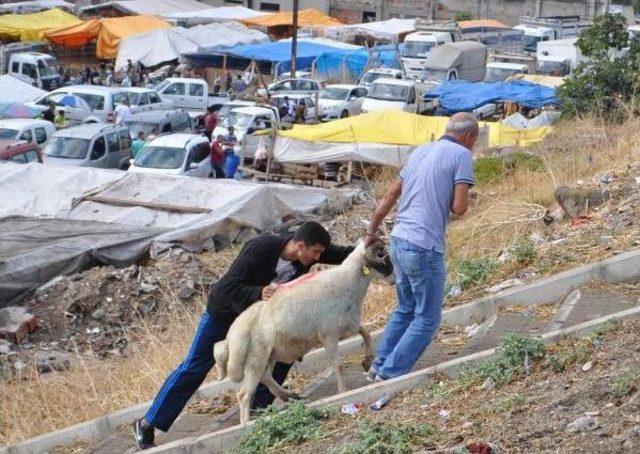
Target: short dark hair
(312,234)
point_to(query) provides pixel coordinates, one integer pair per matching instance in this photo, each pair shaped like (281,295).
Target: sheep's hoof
(366,363)
(294,396)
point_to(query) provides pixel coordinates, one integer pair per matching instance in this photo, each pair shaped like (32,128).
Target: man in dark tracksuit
(262,264)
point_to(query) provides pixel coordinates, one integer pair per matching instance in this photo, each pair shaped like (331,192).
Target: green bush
(377,438)
(293,424)
(525,252)
(488,169)
(475,271)
(623,384)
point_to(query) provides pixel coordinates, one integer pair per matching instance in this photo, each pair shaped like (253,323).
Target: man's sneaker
(378,379)
(144,434)
(371,375)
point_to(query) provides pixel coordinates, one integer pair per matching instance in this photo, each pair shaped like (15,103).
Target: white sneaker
(371,375)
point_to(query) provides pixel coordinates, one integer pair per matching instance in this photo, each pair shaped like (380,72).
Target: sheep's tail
(221,356)
(237,354)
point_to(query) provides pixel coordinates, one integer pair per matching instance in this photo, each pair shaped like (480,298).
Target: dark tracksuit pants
(187,378)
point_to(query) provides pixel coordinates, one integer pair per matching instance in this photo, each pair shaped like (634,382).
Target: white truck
(189,94)
(391,94)
(465,60)
(417,47)
(36,68)
(502,65)
(558,57)
(540,29)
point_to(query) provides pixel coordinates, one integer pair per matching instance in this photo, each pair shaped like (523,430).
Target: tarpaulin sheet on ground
(108,32)
(461,96)
(30,27)
(227,208)
(152,7)
(307,18)
(12,89)
(386,137)
(352,63)
(163,45)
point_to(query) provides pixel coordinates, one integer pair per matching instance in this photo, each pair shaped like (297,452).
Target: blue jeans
(420,281)
(187,378)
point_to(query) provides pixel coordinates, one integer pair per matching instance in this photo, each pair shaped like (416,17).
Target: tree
(610,79)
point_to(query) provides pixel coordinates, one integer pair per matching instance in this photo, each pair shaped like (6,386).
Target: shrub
(488,169)
(377,438)
(475,271)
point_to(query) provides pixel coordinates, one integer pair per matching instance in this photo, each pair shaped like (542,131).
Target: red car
(19,151)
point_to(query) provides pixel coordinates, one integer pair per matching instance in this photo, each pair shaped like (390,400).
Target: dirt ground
(531,414)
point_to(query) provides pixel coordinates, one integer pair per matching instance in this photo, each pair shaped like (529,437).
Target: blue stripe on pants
(187,378)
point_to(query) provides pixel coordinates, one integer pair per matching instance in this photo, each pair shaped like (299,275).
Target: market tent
(13,89)
(76,35)
(220,14)
(386,138)
(461,96)
(386,29)
(307,18)
(30,27)
(163,45)
(353,63)
(34,6)
(108,32)
(151,7)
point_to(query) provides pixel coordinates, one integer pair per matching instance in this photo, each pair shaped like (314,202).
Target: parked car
(298,85)
(310,114)
(299,74)
(19,151)
(227,107)
(101,100)
(341,101)
(38,131)
(143,99)
(391,94)
(380,73)
(90,145)
(175,154)
(188,93)
(158,122)
(246,121)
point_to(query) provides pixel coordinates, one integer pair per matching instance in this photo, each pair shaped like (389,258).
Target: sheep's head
(377,257)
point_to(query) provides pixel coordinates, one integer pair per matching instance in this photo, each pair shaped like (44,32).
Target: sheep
(316,309)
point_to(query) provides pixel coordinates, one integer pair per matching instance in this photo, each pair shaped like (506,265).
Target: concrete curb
(223,441)
(621,268)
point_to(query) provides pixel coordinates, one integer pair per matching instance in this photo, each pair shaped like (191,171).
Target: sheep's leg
(368,351)
(331,347)
(245,394)
(274,387)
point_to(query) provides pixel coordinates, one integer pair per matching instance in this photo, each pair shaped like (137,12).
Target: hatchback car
(175,154)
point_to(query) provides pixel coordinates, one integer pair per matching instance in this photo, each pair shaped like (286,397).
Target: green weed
(525,252)
(474,271)
(378,438)
(624,384)
(488,169)
(294,424)
(508,403)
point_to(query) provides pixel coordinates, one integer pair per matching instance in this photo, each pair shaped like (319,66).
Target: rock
(586,367)
(146,287)
(623,208)
(5,347)
(19,366)
(488,384)
(455,291)
(576,201)
(605,178)
(16,323)
(186,292)
(185,257)
(583,424)
(50,361)
(628,445)
(606,240)
(504,285)
(98,314)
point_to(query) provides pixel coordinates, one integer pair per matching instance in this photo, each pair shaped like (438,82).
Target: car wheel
(344,114)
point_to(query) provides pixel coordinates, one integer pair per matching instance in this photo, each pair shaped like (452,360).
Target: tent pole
(294,39)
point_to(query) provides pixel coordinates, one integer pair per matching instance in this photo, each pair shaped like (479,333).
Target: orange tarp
(75,35)
(108,32)
(306,18)
(479,23)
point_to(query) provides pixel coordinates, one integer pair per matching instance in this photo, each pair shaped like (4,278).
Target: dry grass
(502,214)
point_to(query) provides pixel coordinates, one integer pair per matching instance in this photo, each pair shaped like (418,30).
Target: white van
(38,131)
(391,94)
(175,154)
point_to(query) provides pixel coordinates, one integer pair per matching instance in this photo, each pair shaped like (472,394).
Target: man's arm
(460,202)
(382,210)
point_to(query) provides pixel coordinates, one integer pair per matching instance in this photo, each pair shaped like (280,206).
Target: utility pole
(294,39)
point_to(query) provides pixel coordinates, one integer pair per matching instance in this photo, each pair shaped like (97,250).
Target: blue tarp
(331,63)
(461,96)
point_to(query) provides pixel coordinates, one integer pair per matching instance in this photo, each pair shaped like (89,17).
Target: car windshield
(334,93)
(433,76)
(161,85)
(136,127)
(499,74)
(530,43)
(67,147)
(237,120)
(134,98)
(226,108)
(370,77)
(550,67)
(160,158)
(49,68)
(388,92)
(119,98)
(417,49)
(6,133)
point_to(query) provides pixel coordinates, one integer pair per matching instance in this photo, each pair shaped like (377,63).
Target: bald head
(464,128)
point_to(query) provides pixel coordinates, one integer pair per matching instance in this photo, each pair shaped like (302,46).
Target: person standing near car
(50,113)
(60,121)
(138,144)
(210,122)
(217,158)
(122,111)
(434,182)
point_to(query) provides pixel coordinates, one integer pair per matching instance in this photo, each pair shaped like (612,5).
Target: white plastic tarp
(153,7)
(388,29)
(163,45)
(221,14)
(13,89)
(519,121)
(288,150)
(35,6)
(37,192)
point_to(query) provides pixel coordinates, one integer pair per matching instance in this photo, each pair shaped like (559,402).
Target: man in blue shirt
(434,182)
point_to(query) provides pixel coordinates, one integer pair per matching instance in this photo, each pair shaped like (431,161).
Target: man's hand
(370,238)
(268,291)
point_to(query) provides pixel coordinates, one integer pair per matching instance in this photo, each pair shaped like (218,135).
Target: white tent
(13,89)
(153,7)
(388,29)
(163,45)
(35,6)
(221,14)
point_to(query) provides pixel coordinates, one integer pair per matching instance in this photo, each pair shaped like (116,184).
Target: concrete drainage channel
(547,308)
